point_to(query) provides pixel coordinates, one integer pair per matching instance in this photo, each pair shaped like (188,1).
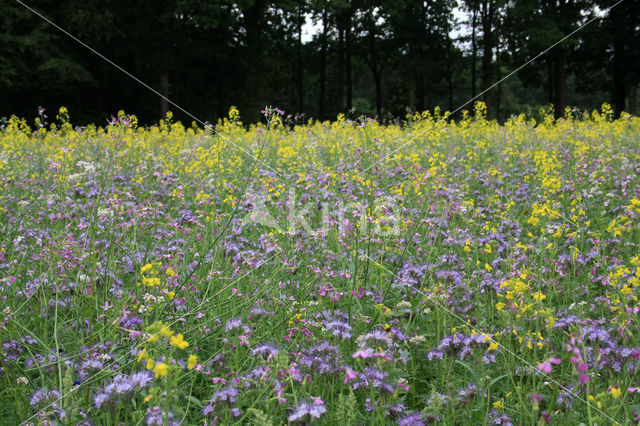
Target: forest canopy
(379,58)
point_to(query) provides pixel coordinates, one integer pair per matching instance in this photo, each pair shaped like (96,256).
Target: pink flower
(359,293)
(382,355)
(367,353)
(584,378)
(555,361)
(545,367)
(582,367)
(546,417)
(350,375)
(403,386)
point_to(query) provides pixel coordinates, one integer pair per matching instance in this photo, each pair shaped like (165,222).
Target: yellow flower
(179,342)
(191,362)
(146,268)
(500,306)
(150,364)
(170,272)
(153,338)
(160,370)
(493,346)
(616,392)
(148,397)
(539,296)
(142,355)
(166,331)
(171,295)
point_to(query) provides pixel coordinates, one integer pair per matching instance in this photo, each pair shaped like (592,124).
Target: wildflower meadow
(346,272)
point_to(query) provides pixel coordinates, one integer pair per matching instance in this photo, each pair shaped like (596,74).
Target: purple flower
(413,419)
(122,388)
(155,417)
(307,411)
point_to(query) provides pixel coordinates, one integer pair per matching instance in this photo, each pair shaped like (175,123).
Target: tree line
(379,58)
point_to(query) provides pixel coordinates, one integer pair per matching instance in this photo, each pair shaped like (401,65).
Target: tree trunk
(560,80)
(412,95)
(376,69)
(633,100)
(164,81)
(323,63)
(377,79)
(487,50)
(420,92)
(498,77)
(348,61)
(253,25)
(220,107)
(550,80)
(619,91)
(620,60)
(449,68)
(474,49)
(340,97)
(299,74)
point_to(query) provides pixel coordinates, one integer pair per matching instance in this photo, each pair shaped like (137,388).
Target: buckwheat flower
(418,340)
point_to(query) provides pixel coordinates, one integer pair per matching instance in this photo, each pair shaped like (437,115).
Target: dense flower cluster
(345,272)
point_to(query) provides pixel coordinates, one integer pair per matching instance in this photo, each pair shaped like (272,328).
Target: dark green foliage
(371,57)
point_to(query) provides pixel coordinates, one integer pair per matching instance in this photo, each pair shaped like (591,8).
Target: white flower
(105,212)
